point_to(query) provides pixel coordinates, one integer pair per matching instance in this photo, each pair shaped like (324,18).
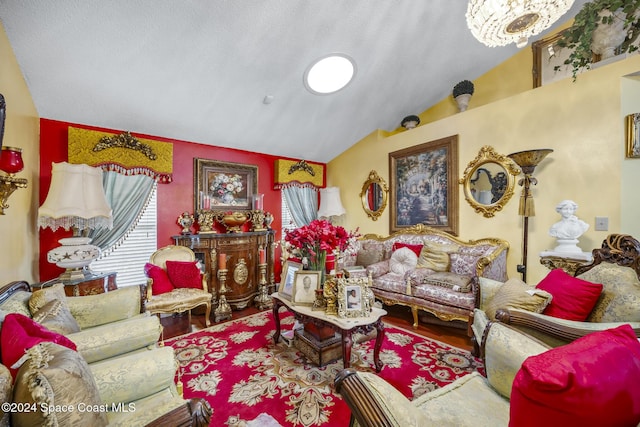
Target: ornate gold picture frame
(632,134)
(223,185)
(353,297)
(424,186)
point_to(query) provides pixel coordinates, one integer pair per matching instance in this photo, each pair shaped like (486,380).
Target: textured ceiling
(199,70)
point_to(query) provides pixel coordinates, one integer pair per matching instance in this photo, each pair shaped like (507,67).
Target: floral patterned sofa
(428,269)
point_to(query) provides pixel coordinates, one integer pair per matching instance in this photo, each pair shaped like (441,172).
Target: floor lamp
(527,160)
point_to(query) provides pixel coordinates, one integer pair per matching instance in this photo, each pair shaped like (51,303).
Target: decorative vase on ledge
(462,92)
(607,37)
(463,101)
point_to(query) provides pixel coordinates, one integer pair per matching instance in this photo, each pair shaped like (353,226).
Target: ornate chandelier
(500,22)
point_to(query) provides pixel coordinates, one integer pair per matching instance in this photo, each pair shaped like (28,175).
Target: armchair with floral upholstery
(616,266)
(175,283)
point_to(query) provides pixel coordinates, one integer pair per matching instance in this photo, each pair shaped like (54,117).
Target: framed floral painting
(223,185)
(424,186)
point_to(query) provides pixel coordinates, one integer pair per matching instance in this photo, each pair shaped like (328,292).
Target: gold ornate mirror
(489,181)
(374,195)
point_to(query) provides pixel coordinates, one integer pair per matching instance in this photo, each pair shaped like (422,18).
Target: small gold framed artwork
(632,135)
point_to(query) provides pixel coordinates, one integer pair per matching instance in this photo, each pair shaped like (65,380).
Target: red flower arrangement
(320,237)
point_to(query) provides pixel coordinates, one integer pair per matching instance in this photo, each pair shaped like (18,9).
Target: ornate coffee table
(346,327)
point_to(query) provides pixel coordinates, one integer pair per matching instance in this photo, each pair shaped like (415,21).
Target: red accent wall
(173,198)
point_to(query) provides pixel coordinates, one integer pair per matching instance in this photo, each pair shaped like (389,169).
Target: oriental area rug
(246,378)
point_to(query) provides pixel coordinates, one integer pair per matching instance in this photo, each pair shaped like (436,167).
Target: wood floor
(175,325)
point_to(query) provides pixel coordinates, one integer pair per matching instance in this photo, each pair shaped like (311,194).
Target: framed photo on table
(352,299)
(305,284)
(424,186)
(289,270)
(223,185)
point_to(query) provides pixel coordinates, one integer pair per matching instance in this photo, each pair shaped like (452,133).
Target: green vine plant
(578,37)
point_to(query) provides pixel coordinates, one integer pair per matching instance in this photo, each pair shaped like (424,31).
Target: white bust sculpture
(569,228)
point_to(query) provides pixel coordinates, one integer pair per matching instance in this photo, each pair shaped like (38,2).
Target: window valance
(298,174)
(122,153)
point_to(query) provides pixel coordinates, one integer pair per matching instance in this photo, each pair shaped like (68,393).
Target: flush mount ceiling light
(329,74)
(500,22)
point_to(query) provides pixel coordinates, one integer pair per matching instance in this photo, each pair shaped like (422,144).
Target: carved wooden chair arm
(194,413)
(360,400)
(557,328)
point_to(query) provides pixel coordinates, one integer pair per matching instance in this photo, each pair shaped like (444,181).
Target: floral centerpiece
(315,240)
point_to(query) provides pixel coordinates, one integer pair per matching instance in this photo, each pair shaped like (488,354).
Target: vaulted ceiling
(199,70)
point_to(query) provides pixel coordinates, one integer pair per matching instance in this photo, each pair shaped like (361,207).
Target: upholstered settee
(90,377)
(428,269)
(526,384)
(602,295)
(103,326)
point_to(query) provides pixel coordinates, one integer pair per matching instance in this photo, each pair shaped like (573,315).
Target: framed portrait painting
(424,186)
(305,283)
(352,299)
(223,185)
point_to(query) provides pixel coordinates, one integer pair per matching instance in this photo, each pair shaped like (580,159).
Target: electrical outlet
(602,223)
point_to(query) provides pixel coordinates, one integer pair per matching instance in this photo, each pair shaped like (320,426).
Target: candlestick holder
(262,300)
(257,220)
(223,311)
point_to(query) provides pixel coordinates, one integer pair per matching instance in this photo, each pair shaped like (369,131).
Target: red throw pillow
(161,283)
(19,333)
(593,381)
(573,298)
(415,248)
(184,274)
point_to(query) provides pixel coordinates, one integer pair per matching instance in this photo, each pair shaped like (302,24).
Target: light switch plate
(602,223)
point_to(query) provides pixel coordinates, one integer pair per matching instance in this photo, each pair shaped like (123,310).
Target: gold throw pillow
(44,295)
(434,256)
(515,293)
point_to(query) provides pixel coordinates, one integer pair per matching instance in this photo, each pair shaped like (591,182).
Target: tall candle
(222,261)
(263,256)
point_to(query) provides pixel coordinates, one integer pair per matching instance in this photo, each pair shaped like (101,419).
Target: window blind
(129,258)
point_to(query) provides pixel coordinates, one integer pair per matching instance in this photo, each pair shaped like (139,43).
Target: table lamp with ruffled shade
(527,160)
(76,200)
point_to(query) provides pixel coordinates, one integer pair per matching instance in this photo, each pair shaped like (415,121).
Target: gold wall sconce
(10,163)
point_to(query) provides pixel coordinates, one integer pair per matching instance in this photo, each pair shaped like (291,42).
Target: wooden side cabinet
(96,283)
(243,257)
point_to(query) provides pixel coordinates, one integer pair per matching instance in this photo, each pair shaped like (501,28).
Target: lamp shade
(76,198)
(528,160)
(330,204)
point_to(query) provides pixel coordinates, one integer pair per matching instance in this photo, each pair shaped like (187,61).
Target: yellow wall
(18,260)
(581,122)
(630,203)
